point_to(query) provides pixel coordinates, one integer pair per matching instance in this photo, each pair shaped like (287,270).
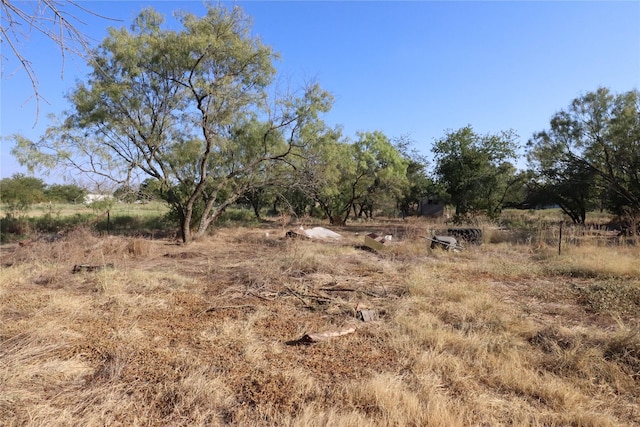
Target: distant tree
(20,192)
(384,173)
(320,175)
(257,198)
(560,181)
(591,154)
(475,170)
(419,184)
(126,194)
(102,204)
(297,200)
(354,178)
(176,106)
(150,189)
(65,193)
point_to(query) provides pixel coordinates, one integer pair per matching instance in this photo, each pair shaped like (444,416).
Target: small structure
(90,198)
(432,207)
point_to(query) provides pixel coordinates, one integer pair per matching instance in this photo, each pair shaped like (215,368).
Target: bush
(12,228)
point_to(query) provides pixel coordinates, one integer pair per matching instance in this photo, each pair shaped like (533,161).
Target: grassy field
(507,333)
(68,209)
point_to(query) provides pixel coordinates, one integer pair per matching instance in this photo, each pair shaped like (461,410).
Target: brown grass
(208,334)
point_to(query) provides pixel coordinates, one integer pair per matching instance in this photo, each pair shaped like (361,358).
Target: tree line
(197,115)
(19,192)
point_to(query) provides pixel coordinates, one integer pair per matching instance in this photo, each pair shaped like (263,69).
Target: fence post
(560,239)
(108,222)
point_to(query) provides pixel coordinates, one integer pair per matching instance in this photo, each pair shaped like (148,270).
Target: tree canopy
(359,177)
(193,112)
(20,192)
(590,155)
(475,170)
(189,108)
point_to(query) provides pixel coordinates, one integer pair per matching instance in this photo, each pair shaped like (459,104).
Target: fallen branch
(364,291)
(226,307)
(301,296)
(323,336)
(297,295)
(223,307)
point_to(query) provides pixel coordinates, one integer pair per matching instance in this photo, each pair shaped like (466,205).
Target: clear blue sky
(404,68)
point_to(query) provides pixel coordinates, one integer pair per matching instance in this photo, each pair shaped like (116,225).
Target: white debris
(320,233)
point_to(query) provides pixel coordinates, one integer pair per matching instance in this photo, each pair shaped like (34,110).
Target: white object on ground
(320,233)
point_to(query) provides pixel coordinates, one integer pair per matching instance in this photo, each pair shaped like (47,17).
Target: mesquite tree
(591,153)
(190,108)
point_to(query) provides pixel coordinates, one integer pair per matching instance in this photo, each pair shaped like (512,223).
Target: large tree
(476,171)
(558,180)
(592,151)
(189,108)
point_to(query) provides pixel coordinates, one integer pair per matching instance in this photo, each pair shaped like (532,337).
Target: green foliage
(189,108)
(12,228)
(383,171)
(102,205)
(419,184)
(55,223)
(126,194)
(238,216)
(364,176)
(566,184)
(20,192)
(150,189)
(590,155)
(135,224)
(475,171)
(69,193)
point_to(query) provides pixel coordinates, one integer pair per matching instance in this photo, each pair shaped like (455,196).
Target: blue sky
(413,69)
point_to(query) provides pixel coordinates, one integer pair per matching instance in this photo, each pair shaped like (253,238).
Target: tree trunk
(256,209)
(185,224)
(185,231)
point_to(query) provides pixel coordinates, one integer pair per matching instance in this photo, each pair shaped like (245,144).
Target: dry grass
(501,334)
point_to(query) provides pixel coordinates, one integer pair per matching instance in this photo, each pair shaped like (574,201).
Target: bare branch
(51,19)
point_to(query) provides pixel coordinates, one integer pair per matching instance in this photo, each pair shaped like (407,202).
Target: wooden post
(108,223)
(560,239)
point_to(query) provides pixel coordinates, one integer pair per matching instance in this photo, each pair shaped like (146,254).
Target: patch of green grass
(236,216)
